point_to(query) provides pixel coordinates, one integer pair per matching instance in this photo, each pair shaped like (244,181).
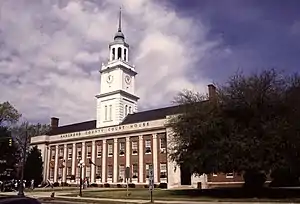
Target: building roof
(148,115)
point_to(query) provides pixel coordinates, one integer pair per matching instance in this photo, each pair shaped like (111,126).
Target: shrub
(56,184)
(106,185)
(94,185)
(131,185)
(163,185)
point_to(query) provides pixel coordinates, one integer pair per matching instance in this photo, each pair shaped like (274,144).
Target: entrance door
(185,175)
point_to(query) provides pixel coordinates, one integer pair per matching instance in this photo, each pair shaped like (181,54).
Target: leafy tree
(34,166)
(8,114)
(8,155)
(252,128)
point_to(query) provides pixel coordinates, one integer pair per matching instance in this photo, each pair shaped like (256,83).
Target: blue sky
(51,51)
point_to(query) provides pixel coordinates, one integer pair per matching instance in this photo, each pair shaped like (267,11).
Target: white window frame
(79,150)
(163,170)
(148,145)
(132,149)
(110,176)
(110,147)
(105,112)
(69,171)
(61,152)
(99,150)
(88,171)
(121,173)
(88,153)
(53,154)
(122,149)
(230,175)
(70,153)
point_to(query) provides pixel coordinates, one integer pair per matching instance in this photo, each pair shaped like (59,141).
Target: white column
(128,151)
(116,154)
(65,164)
(83,159)
(74,160)
(56,163)
(141,159)
(46,163)
(104,161)
(154,153)
(93,160)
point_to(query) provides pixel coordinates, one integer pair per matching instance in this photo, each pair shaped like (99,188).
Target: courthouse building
(120,136)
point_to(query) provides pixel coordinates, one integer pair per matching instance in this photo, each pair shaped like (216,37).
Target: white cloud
(51,52)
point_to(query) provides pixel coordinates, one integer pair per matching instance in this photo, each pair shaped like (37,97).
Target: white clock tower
(117,96)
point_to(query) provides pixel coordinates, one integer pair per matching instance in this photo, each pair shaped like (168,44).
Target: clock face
(109,78)
(127,79)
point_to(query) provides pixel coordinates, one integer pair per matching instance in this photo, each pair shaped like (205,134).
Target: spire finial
(120,20)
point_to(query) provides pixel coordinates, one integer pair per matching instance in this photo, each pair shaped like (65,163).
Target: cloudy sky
(51,50)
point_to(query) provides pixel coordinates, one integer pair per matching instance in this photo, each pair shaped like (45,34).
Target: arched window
(126,110)
(113,54)
(125,54)
(129,110)
(105,112)
(119,53)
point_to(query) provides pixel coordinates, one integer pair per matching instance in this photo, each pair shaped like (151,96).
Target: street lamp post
(80,176)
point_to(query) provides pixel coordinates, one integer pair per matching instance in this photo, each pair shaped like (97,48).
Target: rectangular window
(78,152)
(69,171)
(60,170)
(147,170)
(51,173)
(163,143)
(121,173)
(88,171)
(110,149)
(89,152)
(134,147)
(69,153)
(110,112)
(122,148)
(148,146)
(99,150)
(109,171)
(163,170)
(61,153)
(98,171)
(135,172)
(229,175)
(53,154)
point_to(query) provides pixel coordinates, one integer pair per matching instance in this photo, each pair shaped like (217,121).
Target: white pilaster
(104,161)
(154,151)
(83,159)
(93,160)
(116,154)
(128,151)
(56,163)
(74,159)
(65,164)
(141,159)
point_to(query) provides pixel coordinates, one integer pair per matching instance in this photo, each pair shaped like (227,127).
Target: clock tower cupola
(117,96)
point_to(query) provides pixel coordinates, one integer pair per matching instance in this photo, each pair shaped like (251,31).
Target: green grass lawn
(191,195)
